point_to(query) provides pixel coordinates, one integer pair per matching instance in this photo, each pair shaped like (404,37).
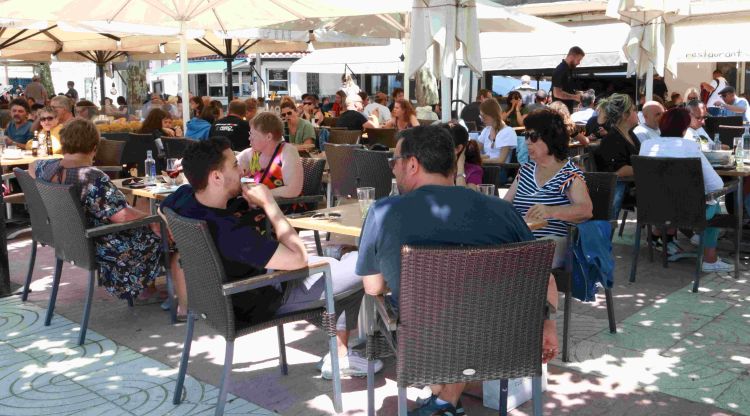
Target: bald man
(649,129)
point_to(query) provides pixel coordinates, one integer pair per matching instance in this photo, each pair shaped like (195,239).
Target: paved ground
(676,353)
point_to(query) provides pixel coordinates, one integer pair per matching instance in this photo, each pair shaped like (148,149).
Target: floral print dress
(128,260)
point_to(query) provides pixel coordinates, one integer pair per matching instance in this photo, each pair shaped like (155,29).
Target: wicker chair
(174,147)
(373,170)
(109,156)
(671,194)
(496,310)
(135,150)
(122,137)
(713,123)
(344,136)
(74,242)
(386,137)
(728,133)
(601,188)
(41,231)
(209,297)
(343,180)
(329,122)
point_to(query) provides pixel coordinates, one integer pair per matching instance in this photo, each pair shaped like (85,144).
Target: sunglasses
(287,114)
(307,103)
(533,136)
(392,161)
(46,118)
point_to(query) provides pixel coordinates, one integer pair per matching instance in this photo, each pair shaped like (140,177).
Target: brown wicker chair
(386,137)
(109,156)
(495,305)
(344,136)
(423,122)
(329,122)
(210,297)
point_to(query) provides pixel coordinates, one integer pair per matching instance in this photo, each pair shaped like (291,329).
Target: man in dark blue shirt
(563,87)
(234,216)
(432,211)
(19,129)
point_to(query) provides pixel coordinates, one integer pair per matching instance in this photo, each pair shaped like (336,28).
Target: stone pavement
(676,353)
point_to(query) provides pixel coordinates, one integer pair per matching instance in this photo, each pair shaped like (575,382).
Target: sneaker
(423,401)
(695,240)
(719,266)
(352,365)
(431,408)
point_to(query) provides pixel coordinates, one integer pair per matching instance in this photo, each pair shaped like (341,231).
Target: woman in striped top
(550,186)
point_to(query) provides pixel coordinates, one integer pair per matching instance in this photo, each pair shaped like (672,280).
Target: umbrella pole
(185,87)
(100,71)
(407,60)
(445,98)
(650,83)
(228,58)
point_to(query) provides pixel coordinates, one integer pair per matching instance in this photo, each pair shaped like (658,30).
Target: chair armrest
(268,279)
(109,168)
(730,186)
(114,228)
(299,200)
(8,176)
(386,313)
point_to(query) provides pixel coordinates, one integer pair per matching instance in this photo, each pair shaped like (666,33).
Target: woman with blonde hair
(574,132)
(497,140)
(403,116)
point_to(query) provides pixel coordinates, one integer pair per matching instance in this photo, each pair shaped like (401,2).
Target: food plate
(12,157)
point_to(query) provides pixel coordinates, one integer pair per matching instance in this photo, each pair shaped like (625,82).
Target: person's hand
(719,104)
(178,131)
(258,195)
(155,228)
(539,212)
(602,132)
(550,346)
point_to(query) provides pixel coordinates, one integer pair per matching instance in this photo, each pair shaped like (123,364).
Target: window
(247,84)
(278,81)
(313,83)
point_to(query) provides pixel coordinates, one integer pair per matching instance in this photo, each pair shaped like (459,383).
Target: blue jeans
(620,189)
(711,234)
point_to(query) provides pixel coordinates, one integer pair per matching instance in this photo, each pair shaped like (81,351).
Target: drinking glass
(173,171)
(365,196)
(487,189)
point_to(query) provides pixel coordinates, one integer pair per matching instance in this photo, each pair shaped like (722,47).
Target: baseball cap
(727,90)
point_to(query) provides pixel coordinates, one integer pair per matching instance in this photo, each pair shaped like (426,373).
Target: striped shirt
(553,193)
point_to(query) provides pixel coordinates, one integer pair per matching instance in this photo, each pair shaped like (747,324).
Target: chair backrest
(344,136)
(204,273)
(490,298)
(175,147)
(40,226)
(109,152)
(386,137)
(68,222)
(670,191)
(728,133)
(471,126)
(329,121)
(122,137)
(343,174)
(135,150)
(588,162)
(373,170)
(601,186)
(423,122)
(313,175)
(713,123)
(492,174)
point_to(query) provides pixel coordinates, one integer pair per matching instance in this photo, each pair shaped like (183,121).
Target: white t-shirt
(583,116)
(384,114)
(506,137)
(720,84)
(674,147)
(644,132)
(694,135)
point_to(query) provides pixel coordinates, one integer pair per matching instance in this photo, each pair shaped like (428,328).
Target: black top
(660,88)
(471,113)
(615,151)
(235,129)
(592,127)
(352,120)
(563,79)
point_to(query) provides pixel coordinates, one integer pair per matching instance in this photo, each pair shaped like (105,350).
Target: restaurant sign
(709,40)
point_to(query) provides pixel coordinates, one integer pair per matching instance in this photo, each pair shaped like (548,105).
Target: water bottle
(394,188)
(149,166)
(739,153)
(717,142)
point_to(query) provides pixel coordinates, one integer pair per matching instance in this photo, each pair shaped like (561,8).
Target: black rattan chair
(109,156)
(74,242)
(209,295)
(386,137)
(174,147)
(343,176)
(41,231)
(373,170)
(344,136)
(496,310)
(601,187)
(728,133)
(329,122)
(671,194)
(134,152)
(713,123)
(123,136)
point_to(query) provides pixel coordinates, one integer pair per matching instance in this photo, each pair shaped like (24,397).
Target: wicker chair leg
(537,395)
(636,250)
(30,273)
(699,262)
(402,401)
(130,301)
(168,273)
(53,295)
(87,308)
(610,311)
(622,224)
(503,397)
(177,398)
(282,350)
(737,237)
(226,372)
(664,251)
(566,325)
(650,241)
(370,387)
(98,277)
(318,245)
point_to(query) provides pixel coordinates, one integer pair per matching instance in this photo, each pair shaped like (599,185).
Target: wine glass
(173,170)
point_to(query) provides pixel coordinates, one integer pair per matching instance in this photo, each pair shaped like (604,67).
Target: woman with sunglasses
(301,131)
(311,112)
(550,186)
(497,140)
(47,123)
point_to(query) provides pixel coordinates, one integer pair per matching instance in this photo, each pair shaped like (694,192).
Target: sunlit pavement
(675,353)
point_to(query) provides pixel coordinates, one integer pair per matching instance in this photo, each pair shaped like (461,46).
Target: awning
(515,51)
(200,67)
(361,60)
(708,39)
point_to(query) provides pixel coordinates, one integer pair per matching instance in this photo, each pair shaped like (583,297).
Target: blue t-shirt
(433,215)
(20,134)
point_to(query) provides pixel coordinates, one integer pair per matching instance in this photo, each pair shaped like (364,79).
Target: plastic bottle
(717,142)
(394,188)
(149,167)
(739,153)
